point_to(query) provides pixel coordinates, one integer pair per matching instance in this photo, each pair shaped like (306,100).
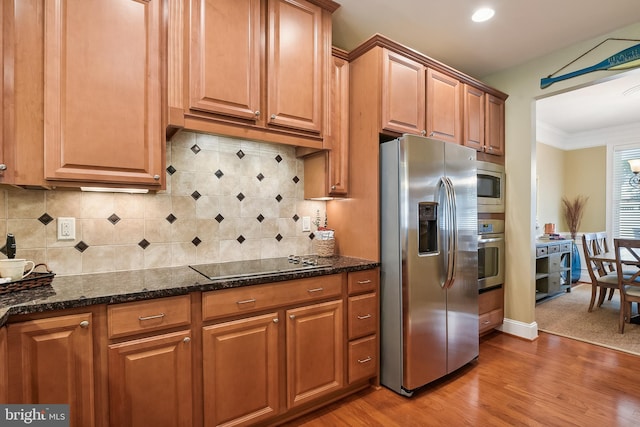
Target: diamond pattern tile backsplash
(226,200)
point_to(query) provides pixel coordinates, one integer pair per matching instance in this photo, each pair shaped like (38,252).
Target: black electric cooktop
(259,267)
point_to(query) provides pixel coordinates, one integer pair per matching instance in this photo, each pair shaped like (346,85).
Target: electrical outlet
(66,228)
(306,223)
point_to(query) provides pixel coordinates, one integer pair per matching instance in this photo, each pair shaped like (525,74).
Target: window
(626,198)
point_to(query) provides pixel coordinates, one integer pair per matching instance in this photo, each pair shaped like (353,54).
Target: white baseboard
(528,331)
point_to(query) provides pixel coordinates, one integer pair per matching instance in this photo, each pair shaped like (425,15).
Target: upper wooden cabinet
(326,173)
(494,125)
(255,69)
(403,94)
(419,100)
(473,106)
(444,107)
(85,92)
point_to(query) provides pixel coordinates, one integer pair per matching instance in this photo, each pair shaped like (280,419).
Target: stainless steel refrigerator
(429,261)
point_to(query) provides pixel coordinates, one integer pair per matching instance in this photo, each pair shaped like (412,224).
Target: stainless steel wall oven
(490,253)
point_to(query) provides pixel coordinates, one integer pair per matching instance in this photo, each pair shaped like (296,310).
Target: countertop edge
(182,280)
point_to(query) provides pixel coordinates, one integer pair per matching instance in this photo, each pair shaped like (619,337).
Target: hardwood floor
(553,381)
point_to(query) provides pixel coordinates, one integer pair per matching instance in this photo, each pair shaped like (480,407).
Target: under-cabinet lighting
(115,190)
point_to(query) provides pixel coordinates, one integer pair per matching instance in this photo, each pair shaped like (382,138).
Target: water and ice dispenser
(427,227)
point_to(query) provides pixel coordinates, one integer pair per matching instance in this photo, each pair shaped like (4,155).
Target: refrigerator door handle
(449,222)
(453,232)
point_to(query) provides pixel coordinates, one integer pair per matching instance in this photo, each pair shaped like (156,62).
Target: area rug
(567,315)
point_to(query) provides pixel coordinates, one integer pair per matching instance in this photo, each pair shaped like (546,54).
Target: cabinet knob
(489,148)
(257,113)
(3,167)
(333,187)
(292,316)
(273,117)
(84,324)
(186,340)
(275,320)
(156,177)
(423,132)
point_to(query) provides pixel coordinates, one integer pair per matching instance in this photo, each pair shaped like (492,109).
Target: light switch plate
(306,223)
(66,228)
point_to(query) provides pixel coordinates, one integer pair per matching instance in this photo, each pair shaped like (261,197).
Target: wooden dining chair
(601,279)
(629,284)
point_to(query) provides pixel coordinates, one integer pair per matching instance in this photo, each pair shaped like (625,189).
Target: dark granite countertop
(108,288)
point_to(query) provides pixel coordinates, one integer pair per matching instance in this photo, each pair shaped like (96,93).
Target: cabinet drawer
(248,299)
(363,315)
(490,320)
(554,249)
(541,251)
(363,360)
(363,281)
(565,247)
(144,316)
(490,300)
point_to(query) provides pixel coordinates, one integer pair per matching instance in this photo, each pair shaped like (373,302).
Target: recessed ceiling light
(483,14)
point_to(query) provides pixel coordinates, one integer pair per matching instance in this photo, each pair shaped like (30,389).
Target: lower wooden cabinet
(51,360)
(314,351)
(252,355)
(4,372)
(151,381)
(240,367)
(490,310)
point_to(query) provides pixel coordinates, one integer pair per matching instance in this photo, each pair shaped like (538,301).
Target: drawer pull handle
(486,322)
(368,316)
(247,301)
(364,282)
(157,316)
(368,359)
(84,324)
(315,290)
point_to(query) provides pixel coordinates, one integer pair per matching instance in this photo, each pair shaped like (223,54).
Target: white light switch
(306,223)
(66,228)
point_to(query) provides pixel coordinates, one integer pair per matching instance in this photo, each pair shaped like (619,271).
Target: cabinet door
(295,63)
(52,361)
(473,117)
(494,139)
(240,370)
(150,381)
(4,380)
(315,351)
(403,94)
(339,138)
(3,164)
(224,57)
(103,83)
(444,112)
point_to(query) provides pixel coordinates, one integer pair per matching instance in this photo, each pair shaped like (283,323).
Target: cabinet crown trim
(378,40)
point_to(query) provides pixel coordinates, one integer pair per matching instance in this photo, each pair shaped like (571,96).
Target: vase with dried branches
(573,210)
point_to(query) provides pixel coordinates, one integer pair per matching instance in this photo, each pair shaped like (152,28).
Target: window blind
(626,198)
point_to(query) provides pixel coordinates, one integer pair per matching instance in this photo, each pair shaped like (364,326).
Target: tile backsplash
(226,200)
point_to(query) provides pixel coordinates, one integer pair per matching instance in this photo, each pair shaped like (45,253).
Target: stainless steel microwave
(491,183)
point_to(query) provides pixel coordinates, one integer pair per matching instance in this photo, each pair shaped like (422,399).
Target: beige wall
(585,174)
(550,186)
(522,83)
(570,173)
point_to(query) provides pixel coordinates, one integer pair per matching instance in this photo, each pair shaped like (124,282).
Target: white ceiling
(520,31)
